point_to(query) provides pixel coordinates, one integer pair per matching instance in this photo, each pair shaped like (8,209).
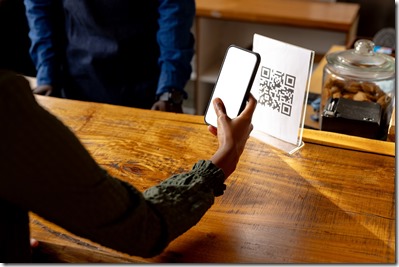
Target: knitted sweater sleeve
(45,169)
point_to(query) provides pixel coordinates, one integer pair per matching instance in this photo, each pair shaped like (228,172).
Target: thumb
(220,110)
(219,107)
(250,107)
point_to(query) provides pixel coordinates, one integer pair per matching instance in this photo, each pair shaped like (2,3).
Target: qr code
(276,90)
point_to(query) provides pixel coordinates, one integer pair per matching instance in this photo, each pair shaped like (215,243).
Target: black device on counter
(352,117)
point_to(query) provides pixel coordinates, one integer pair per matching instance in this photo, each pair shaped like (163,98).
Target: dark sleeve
(184,198)
(47,170)
(176,43)
(45,20)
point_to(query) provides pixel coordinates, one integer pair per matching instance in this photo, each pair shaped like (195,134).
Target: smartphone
(234,82)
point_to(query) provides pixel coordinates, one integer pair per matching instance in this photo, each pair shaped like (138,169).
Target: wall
(374,15)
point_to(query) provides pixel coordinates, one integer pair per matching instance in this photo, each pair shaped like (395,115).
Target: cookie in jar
(361,74)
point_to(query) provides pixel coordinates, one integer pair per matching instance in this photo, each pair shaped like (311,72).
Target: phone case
(234,82)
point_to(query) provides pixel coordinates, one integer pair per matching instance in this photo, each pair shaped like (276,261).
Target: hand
(167,106)
(43,90)
(232,135)
(34,243)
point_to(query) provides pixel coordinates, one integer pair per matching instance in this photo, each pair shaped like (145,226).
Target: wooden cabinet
(316,25)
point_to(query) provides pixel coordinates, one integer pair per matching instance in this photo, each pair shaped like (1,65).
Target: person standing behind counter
(74,192)
(122,52)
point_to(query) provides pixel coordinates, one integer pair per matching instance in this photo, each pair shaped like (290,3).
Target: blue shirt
(112,51)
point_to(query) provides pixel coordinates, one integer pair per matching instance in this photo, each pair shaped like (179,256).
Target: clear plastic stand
(286,147)
(280,144)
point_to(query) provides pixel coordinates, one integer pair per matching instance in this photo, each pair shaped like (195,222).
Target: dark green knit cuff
(214,176)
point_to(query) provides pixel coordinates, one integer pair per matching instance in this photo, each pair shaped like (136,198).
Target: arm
(62,182)
(176,43)
(45,19)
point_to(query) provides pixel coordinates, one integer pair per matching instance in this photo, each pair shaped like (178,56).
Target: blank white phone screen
(233,82)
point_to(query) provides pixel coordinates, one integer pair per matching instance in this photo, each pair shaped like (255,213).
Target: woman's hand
(232,135)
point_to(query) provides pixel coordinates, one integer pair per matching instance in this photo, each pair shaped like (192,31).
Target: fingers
(43,90)
(219,107)
(213,130)
(37,90)
(159,105)
(250,107)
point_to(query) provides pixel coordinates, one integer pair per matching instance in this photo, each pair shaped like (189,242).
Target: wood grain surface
(326,203)
(312,14)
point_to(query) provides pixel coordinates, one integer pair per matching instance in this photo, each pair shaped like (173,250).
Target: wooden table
(333,201)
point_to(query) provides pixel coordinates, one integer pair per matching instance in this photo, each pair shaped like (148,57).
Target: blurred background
(374,16)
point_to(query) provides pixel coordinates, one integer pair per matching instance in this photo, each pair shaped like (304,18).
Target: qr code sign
(276,90)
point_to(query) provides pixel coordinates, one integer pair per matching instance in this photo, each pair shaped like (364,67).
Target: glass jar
(360,74)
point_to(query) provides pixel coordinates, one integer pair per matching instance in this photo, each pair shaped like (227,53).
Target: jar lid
(362,62)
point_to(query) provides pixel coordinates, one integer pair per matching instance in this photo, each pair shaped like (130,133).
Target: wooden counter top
(333,201)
